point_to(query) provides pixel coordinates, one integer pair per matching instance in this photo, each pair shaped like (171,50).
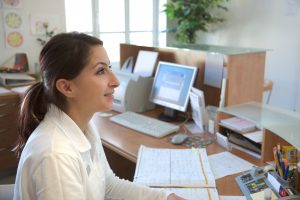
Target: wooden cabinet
(9,103)
(245,69)
(278,125)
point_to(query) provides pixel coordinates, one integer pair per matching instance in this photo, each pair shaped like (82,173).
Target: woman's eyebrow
(101,63)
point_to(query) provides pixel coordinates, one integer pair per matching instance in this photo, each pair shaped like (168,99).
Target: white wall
(268,24)
(298,96)
(30,46)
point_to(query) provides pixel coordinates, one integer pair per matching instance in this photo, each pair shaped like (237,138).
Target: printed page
(233,198)
(173,168)
(196,193)
(225,163)
(213,72)
(255,136)
(239,124)
(145,63)
(153,167)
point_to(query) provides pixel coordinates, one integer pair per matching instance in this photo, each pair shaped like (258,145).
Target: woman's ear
(65,87)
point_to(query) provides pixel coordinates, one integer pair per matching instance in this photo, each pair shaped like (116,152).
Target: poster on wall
(13,39)
(13,25)
(11,3)
(40,23)
(12,20)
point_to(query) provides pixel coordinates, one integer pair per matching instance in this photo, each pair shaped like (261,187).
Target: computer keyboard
(144,124)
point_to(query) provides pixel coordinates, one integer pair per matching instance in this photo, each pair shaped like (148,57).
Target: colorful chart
(13,20)
(14,39)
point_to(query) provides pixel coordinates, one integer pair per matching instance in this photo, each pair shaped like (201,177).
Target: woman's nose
(114,80)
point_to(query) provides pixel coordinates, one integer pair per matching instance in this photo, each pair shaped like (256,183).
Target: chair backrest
(7,192)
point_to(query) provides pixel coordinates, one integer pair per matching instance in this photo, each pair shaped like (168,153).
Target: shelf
(283,123)
(238,131)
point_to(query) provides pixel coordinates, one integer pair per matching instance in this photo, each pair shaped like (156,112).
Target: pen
(281,164)
(279,167)
(286,172)
(275,159)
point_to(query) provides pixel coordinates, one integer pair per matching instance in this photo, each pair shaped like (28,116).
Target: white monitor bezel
(168,104)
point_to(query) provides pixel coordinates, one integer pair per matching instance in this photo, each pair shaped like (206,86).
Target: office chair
(268,86)
(7,191)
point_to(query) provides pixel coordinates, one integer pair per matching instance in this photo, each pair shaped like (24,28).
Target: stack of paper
(16,79)
(239,124)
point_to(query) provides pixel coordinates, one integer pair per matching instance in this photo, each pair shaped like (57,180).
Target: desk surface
(126,142)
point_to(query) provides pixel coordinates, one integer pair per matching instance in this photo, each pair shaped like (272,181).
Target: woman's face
(94,86)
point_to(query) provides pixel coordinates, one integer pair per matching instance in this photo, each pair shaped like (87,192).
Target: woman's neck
(80,117)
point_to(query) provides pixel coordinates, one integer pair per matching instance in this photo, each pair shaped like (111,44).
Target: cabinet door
(8,130)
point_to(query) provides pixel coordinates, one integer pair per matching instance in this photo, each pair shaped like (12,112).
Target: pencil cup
(297,178)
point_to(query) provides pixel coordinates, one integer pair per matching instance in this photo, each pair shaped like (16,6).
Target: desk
(122,144)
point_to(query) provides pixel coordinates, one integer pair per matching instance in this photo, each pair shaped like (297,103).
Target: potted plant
(193,15)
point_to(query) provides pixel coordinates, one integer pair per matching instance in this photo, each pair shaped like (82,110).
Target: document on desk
(255,136)
(173,168)
(233,198)
(225,163)
(196,193)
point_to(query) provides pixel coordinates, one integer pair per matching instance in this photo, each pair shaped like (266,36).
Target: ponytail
(33,109)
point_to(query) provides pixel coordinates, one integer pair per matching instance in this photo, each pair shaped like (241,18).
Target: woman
(61,153)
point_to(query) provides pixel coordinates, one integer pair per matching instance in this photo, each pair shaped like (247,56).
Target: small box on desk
(257,183)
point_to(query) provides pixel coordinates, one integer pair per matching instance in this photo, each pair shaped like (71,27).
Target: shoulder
(49,151)
(48,139)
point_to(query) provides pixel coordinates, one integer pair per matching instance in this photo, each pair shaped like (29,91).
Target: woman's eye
(100,71)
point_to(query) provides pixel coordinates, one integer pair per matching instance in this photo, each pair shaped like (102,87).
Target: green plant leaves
(193,15)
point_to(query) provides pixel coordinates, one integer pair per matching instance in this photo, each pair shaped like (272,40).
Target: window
(118,21)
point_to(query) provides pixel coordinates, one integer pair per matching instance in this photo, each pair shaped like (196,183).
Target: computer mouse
(179,138)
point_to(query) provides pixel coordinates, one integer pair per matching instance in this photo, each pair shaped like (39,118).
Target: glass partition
(284,123)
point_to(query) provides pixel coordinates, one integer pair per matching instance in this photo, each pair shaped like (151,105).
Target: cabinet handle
(2,131)
(3,104)
(3,115)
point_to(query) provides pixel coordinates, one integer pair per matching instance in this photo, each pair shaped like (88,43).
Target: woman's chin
(106,109)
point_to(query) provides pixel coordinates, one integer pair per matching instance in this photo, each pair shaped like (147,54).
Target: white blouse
(59,162)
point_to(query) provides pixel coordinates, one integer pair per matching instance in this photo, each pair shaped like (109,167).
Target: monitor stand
(171,115)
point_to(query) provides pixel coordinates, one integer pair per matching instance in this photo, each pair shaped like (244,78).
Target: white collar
(69,128)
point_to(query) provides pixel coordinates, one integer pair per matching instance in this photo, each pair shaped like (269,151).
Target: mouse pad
(194,141)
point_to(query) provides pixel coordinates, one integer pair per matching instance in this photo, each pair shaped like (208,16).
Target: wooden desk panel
(124,142)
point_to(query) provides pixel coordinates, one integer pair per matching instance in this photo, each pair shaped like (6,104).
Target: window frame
(155,25)
(154,30)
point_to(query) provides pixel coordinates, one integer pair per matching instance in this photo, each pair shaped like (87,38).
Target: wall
(30,46)
(298,96)
(268,24)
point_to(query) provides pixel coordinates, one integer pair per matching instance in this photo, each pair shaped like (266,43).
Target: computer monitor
(171,87)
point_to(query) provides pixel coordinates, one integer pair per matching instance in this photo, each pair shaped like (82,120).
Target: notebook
(239,124)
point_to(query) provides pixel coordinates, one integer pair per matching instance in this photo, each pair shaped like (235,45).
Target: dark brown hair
(64,56)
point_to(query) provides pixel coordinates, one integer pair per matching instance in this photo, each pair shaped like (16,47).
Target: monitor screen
(172,84)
